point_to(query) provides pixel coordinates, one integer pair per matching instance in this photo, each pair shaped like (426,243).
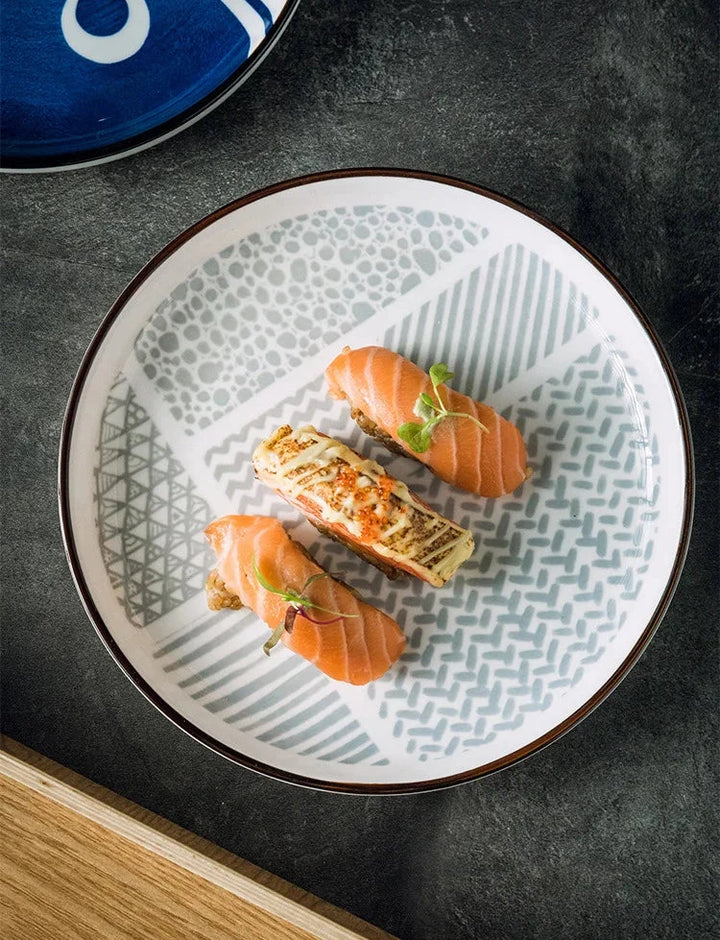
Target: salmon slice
(353,500)
(357,648)
(382,388)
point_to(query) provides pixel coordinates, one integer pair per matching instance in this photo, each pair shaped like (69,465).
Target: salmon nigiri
(311,613)
(461,440)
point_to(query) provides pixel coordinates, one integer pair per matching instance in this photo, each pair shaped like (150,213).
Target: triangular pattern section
(150,517)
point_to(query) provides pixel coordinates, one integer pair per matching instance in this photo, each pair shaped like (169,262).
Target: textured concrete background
(601,116)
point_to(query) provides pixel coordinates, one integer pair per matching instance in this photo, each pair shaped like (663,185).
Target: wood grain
(77,861)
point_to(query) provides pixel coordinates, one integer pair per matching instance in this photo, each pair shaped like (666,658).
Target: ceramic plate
(225,335)
(87,82)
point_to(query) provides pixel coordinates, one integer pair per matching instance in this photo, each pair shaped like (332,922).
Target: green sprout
(418,437)
(298,603)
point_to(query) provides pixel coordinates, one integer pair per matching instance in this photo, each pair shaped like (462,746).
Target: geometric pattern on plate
(251,313)
(557,564)
(150,516)
(553,582)
(517,309)
(284,702)
(549,584)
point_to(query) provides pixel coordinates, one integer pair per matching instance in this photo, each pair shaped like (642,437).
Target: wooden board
(78,861)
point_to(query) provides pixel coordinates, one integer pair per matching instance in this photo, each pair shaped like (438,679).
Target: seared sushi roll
(464,442)
(355,501)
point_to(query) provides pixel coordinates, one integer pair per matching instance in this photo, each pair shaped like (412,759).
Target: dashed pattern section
(150,517)
(253,312)
(556,572)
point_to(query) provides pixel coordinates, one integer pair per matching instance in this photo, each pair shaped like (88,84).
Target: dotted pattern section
(253,312)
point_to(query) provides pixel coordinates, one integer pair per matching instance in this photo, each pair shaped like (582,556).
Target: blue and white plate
(86,81)
(225,335)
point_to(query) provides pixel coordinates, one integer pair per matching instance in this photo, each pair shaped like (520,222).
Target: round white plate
(225,335)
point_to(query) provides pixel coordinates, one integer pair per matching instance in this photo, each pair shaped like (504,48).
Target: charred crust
(372,430)
(390,571)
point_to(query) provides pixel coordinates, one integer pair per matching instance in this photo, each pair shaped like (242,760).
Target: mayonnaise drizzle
(319,460)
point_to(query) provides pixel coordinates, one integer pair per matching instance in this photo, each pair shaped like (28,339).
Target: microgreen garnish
(298,603)
(274,639)
(418,437)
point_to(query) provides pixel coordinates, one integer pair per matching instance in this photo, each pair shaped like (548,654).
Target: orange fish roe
(385,487)
(346,479)
(372,516)
(369,523)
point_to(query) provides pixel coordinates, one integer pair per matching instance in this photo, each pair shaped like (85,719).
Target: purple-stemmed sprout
(298,603)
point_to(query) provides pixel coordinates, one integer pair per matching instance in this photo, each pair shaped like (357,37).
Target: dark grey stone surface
(602,117)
